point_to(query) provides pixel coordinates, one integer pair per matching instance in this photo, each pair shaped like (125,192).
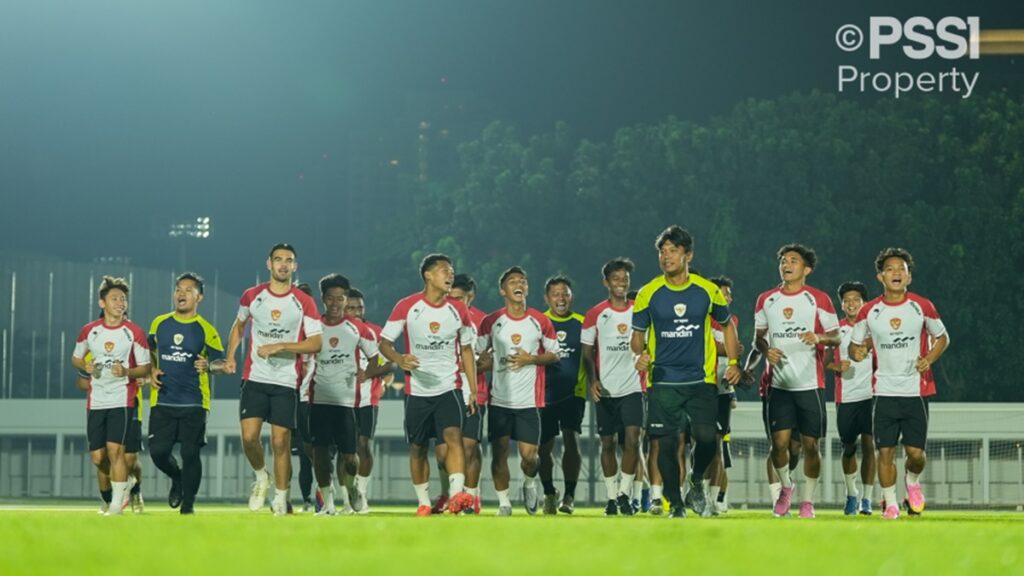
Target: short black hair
(193,277)
(109,283)
(334,281)
(464,282)
(808,254)
(857,287)
(721,281)
(677,235)
(557,279)
(430,260)
(283,246)
(894,253)
(513,270)
(631,295)
(616,264)
(356,293)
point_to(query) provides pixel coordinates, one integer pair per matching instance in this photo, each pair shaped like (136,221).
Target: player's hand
(202,364)
(844,365)
(810,338)
(360,375)
(267,350)
(409,362)
(471,407)
(733,374)
(229,366)
(775,356)
(858,353)
(118,370)
(642,362)
(747,377)
(484,362)
(595,391)
(519,360)
(923,365)
(154,378)
(90,368)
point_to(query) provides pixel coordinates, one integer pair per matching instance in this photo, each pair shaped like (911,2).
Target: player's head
(113,298)
(675,250)
(513,285)
(334,293)
(437,272)
(188,292)
(796,262)
(282,262)
(724,284)
(616,273)
(558,295)
(355,305)
(895,267)
(463,289)
(852,296)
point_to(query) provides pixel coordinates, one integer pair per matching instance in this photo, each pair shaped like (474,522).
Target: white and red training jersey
(125,343)
(857,383)
(371,389)
(277,318)
(786,317)
(505,335)
(900,336)
(345,344)
(723,361)
(477,316)
(609,331)
(435,335)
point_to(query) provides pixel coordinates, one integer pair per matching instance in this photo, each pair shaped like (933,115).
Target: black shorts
(672,408)
(854,419)
(302,427)
(133,444)
(269,402)
(616,414)
(564,415)
(171,424)
(802,410)
(896,417)
(333,426)
(113,425)
(427,417)
(367,421)
(724,417)
(726,454)
(473,426)
(764,420)
(520,424)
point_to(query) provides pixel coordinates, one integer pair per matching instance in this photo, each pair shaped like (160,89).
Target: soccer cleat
(530,500)
(359,504)
(460,502)
(308,505)
(441,505)
(187,509)
(699,501)
(258,494)
(175,495)
(611,509)
(128,492)
(806,509)
(645,500)
(279,507)
(137,503)
(424,510)
(635,503)
(504,511)
(550,504)
(104,508)
(891,512)
(568,505)
(910,511)
(915,498)
(318,501)
(721,507)
(657,509)
(328,510)
(782,505)
(347,510)
(851,506)
(865,507)
(625,506)
(677,511)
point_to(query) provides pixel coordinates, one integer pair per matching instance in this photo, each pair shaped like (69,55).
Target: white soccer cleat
(258,494)
(359,504)
(279,507)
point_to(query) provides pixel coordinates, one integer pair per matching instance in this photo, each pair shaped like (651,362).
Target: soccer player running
(120,356)
(617,388)
(518,342)
(854,403)
(302,442)
(717,474)
(565,397)
(672,341)
(438,331)
(185,348)
(793,324)
(897,325)
(370,391)
(285,325)
(334,393)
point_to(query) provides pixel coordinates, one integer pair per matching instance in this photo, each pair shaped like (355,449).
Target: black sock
(137,488)
(549,487)
(107,495)
(570,489)
(721,496)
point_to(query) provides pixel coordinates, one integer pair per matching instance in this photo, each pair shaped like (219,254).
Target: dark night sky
(116,117)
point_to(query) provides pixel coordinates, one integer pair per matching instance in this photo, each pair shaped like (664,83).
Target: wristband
(734,362)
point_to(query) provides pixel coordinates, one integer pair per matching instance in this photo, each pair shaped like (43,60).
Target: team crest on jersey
(622,328)
(680,309)
(895,323)
(108,346)
(333,341)
(178,339)
(787,312)
(435,327)
(561,335)
(517,338)
(275,315)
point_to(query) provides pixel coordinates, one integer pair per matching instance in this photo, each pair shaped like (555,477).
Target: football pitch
(71,538)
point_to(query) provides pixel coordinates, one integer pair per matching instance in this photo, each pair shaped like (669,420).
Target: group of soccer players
(659,370)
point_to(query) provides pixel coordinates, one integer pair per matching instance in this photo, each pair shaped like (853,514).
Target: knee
(189,452)
(704,435)
(251,437)
(99,458)
(282,444)
(417,452)
(849,450)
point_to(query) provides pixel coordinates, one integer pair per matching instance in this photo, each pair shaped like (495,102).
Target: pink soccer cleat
(807,510)
(915,498)
(892,512)
(783,503)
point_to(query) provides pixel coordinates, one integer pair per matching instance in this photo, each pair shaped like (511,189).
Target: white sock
(810,485)
(611,486)
(457,482)
(776,490)
(474,492)
(784,478)
(280,497)
(261,476)
(503,498)
(851,485)
(713,496)
(626,484)
(345,498)
(327,493)
(530,482)
(363,485)
(913,478)
(656,493)
(889,495)
(638,488)
(422,495)
(868,489)
(117,496)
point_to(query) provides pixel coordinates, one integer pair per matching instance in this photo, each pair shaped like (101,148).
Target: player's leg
(527,434)
(192,435)
(915,436)
(887,431)
(782,419)
(440,454)
(449,417)
(132,448)
(299,441)
(283,419)
(364,449)
(654,473)
(606,429)
(629,417)
(472,436)
(701,406)
(570,425)
(419,428)
(254,408)
(499,431)
(667,418)
(868,468)
(549,431)
(811,418)
(163,433)
(845,422)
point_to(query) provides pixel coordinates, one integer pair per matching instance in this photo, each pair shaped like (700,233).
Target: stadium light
(201,227)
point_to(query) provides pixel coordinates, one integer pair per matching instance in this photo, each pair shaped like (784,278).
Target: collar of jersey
(344,317)
(423,298)
(181,320)
(675,288)
(623,309)
(906,297)
(551,314)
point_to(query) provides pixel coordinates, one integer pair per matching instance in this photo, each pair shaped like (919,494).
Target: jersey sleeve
(243,305)
(588,334)
(719,307)
(467,333)
(140,347)
(760,316)
(932,322)
(214,347)
(395,325)
(82,344)
(311,325)
(368,342)
(860,331)
(641,310)
(826,313)
(483,337)
(549,340)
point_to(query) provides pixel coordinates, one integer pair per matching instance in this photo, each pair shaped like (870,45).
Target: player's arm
(590,366)
(830,338)
(310,345)
(638,345)
(524,358)
(938,348)
(732,351)
(81,365)
(406,362)
(234,340)
(376,368)
(469,367)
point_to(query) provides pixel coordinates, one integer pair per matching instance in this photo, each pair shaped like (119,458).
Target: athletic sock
(570,489)
(868,489)
(889,496)
(345,499)
(106,495)
(610,486)
(626,484)
(474,492)
(721,496)
(117,496)
(422,495)
(913,478)
(261,476)
(137,487)
(638,487)
(810,485)
(656,493)
(363,485)
(327,493)
(851,485)
(503,499)
(529,482)
(714,493)
(776,489)
(784,478)
(549,487)
(456,482)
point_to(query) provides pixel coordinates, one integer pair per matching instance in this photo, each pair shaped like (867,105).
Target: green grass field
(70,538)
